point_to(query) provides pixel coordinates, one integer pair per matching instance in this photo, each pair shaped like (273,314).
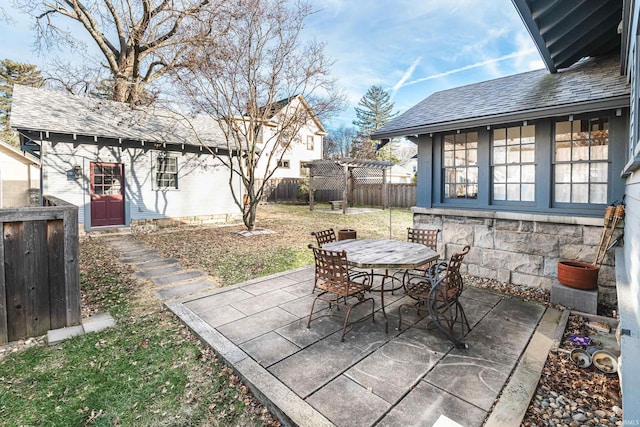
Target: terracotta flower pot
(579,275)
(346,234)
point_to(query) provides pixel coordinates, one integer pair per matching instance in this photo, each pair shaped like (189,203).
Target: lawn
(149,369)
(234,259)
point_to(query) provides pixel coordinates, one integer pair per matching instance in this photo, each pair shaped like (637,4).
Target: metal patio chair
(324,236)
(427,237)
(438,293)
(327,236)
(333,279)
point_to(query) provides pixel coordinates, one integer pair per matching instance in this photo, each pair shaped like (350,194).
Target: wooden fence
(39,269)
(288,190)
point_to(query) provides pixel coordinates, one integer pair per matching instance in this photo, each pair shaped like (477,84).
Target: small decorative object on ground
(605,362)
(579,339)
(581,358)
(599,326)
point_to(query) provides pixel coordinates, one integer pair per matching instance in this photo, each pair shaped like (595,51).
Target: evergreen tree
(374,111)
(11,73)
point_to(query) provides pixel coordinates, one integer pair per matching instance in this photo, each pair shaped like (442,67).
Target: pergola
(344,174)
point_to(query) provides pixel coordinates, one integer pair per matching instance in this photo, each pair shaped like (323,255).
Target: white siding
(14,181)
(202,180)
(632,238)
(629,289)
(296,153)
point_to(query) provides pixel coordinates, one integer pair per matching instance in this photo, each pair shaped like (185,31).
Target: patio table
(383,254)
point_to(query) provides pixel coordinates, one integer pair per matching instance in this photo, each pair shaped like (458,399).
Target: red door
(107,194)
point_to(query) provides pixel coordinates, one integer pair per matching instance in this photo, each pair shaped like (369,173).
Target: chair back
(427,237)
(332,266)
(324,236)
(452,281)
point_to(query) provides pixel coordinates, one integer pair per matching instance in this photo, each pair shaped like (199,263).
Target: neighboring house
(19,173)
(400,175)
(523,167)
(411,165)
(306,144)
(126,166)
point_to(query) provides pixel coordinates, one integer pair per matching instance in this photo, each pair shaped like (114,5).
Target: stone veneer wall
(523,249)
(146,225)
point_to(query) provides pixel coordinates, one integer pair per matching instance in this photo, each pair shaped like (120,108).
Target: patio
(414,376)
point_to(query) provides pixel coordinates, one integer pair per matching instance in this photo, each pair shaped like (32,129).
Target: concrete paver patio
(308,377)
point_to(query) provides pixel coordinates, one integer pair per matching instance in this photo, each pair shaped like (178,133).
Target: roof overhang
(566,31)
(500,119)
(18,155)
(38,136)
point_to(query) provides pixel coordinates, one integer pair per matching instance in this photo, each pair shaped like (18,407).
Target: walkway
(308,377)
(170,279)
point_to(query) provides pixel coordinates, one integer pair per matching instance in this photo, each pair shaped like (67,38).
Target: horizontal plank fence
(288,190)
(39,269)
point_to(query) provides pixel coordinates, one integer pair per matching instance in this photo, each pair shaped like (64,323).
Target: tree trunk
(120,89)
(249,215)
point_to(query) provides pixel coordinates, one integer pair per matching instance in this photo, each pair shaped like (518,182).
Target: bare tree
(140,40)
(262,83)
(340,142)
(3,15)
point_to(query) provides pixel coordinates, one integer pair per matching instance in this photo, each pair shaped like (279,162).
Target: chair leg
(349,308)
(447,314)
(311,314)
(400,317)
(464,318)
(346,321)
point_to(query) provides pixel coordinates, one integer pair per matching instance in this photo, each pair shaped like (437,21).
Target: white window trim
(284,164)
(155,172)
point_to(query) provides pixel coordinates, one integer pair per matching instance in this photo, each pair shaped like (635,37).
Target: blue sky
(411,48)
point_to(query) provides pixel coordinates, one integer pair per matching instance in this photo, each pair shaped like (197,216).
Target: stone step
(184,289)
(160,262)
(175,279)
(158,272)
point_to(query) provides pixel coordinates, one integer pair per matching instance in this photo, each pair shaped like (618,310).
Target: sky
(410,48)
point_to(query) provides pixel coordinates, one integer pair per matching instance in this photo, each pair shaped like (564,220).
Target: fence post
(4,331)
(72,266)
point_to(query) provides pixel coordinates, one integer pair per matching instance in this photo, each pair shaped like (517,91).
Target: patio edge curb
(290,409)
(516,396)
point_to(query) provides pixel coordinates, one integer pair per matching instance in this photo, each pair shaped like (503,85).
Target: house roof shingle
(588,85)
(48,111)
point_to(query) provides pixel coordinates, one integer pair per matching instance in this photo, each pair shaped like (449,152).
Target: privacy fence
(290,190)
(39,269)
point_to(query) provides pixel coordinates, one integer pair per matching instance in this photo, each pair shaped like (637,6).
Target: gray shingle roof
(530,95)
(44,110)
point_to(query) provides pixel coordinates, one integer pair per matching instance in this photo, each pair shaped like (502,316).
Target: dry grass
(231,258)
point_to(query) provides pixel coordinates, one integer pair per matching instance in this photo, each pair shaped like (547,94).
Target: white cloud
(485,63)
(408,73)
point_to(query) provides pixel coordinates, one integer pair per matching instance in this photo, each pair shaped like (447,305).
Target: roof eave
(109,140)
(527,18)
(18,154)
(498,119)
(625,35)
